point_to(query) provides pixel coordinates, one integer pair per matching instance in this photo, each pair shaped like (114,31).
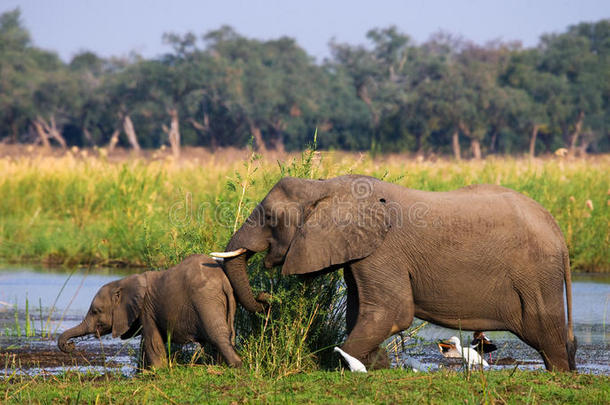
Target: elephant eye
(272,220)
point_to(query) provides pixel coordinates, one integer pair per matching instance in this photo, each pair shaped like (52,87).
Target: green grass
(213,384)
(154,213)
(29,330)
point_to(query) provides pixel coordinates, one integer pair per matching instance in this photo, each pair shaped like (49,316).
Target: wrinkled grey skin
(479,258)
(191,302)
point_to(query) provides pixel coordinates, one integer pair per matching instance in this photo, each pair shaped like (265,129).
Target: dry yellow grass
(81,206)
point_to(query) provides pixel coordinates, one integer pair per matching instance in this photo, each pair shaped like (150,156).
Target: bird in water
(448,350)
(482,344)
(353,363)
(453,346)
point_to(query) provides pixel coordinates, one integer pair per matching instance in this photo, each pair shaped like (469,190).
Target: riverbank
(59,300)
(84,209)
(216,384)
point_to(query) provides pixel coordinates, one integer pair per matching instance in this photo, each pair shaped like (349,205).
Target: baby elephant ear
(127,301)
(338,229)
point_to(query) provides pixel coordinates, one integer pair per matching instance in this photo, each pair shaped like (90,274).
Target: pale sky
(116,27)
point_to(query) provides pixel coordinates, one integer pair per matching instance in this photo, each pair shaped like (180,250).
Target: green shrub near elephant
(482,257)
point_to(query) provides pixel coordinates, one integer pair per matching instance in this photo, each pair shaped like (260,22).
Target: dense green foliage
(393,95)
(202,384)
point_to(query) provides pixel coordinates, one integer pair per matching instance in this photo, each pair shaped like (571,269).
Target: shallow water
(57,299)
(591,313)
(62,309)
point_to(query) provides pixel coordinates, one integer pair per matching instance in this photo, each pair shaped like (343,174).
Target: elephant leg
(351,312)
(553,353)
(153,348)
(226,349)
(213,318)
(546,333)
(370,330)
(380,313)
(555,357)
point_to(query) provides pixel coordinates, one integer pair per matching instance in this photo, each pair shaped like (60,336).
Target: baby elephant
(191,302)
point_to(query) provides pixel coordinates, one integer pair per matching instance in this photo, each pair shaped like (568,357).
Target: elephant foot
(377,359)
(234,361)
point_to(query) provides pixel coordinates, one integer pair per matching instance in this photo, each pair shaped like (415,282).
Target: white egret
(470,355)
(353,363)
(448,350)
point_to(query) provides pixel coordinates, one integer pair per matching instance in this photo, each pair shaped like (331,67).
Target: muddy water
(62,297)
(56,300)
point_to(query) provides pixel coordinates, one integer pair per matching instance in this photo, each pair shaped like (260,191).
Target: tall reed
(72,210)
(305,319)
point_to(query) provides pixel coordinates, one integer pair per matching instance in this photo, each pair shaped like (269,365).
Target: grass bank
(214,384)
(81,209)
(76,209)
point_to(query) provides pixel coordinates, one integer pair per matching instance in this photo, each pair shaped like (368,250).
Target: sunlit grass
(211,384)
(81,210)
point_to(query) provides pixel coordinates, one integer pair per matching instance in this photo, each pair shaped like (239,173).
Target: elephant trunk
(236,272)
(64,343)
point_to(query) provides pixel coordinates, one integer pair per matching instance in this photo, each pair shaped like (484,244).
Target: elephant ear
(127,301)
(337,230)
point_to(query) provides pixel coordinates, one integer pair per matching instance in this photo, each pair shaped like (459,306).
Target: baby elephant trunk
(65,344)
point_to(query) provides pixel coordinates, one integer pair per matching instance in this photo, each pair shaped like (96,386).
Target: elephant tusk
(224,255)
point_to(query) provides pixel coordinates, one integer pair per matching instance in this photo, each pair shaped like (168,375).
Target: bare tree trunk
(14,132)
(205,128)
(475,144)
(44,139)
(131,133)
(586,139)
(455,143)
(114,139)
(258,138)
(88,136)
(493,141)
(363,93)
(576,133)
(418,144)
(533,138)
(278,143)
(174,132)
(54,132)
(46,131)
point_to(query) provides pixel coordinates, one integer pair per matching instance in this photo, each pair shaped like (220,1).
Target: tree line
(445,95)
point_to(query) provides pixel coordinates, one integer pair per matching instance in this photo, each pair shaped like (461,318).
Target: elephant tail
(571,341)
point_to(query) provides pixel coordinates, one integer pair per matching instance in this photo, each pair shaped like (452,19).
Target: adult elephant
(482,257)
